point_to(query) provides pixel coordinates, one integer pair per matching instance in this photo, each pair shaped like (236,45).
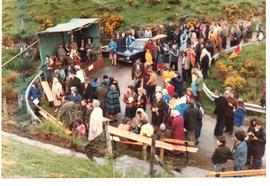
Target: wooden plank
(47,90)
(49,115)
(159,144)
(117,139)
(257,172)
(176,141)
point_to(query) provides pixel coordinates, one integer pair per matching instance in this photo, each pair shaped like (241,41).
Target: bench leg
(161,155)
(144,152)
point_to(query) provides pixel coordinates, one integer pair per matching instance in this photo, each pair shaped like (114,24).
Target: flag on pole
(235,52)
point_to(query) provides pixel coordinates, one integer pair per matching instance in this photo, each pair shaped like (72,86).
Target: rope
(19,53)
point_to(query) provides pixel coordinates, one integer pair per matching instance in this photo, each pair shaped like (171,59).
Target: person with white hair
(177,128)
(96,121)
(205,62)
(57,91)
(157,109)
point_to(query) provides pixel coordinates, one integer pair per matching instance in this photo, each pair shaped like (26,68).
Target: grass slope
(21,160)
(18,15)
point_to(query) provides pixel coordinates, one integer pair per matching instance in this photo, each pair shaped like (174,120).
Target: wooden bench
(144,141)
(257,172)
(177,142)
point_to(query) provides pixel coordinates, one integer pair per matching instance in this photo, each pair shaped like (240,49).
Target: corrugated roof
(71,25)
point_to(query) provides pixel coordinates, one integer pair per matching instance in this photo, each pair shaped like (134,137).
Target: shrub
(222,70)
(235,81)
(11,77)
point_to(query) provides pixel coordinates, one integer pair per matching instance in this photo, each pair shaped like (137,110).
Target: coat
(76,82)
(239,117)
(258,146)
(56,90)
(157,112)
(34,93)
(178,128)
(96,123)
(220,106)
(192,118)
(113,103)
(101,94)
(222,154)
(240,154)
(178,85)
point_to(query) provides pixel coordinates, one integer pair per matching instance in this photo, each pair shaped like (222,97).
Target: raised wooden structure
(47,90)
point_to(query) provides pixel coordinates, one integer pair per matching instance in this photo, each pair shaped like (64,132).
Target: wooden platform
(257,172)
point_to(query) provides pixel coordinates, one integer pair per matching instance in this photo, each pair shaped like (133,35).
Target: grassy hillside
(19,15)
(21,160)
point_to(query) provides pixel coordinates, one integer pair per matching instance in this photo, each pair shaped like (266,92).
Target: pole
(153,149)
(144,152)
(108,140)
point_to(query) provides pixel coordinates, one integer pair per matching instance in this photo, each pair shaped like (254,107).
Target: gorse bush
(235,81)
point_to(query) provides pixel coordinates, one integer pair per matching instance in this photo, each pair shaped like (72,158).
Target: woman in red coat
(170,88)
(177,125)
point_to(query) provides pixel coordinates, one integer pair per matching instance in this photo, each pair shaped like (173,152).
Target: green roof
(71,25)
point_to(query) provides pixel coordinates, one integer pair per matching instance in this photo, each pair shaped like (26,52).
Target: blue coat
(181,108)
(75,98)
(239,117)
(34,93)
(240,154)
(112,47)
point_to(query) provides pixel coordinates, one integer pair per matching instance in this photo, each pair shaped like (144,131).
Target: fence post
(108,139)
(153,150)
(144,151)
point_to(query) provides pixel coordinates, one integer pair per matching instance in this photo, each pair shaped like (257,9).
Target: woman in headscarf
(177,125)
(141,99)
(96,121)
(57,91)
(113,103)
(130,101)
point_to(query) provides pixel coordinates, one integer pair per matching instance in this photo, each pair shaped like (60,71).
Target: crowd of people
(176,112)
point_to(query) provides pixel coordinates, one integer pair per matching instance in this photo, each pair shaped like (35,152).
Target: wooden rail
(257,172)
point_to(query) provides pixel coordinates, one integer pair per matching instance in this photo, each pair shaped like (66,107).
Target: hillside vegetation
(20,17)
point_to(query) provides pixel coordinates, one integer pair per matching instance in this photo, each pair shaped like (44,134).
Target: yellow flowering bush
(222,70)
(235,81)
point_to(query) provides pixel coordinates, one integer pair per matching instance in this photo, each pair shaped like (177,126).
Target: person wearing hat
(221,155)
(239,151)
(177,125)
(257,140)
(239,115)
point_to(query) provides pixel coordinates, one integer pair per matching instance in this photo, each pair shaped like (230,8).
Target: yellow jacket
(148,58)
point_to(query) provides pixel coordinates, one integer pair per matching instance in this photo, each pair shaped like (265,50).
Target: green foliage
(21,160)
(246,75)
(135,12)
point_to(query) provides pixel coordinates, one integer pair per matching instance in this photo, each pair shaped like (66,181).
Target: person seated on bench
(74,96)
(139,117)
(147,129)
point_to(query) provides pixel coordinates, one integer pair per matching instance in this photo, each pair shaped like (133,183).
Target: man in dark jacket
(192,118)
(221,155)
(75,82)
(221,104)
(258,141)
(119,42)
(177,82)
